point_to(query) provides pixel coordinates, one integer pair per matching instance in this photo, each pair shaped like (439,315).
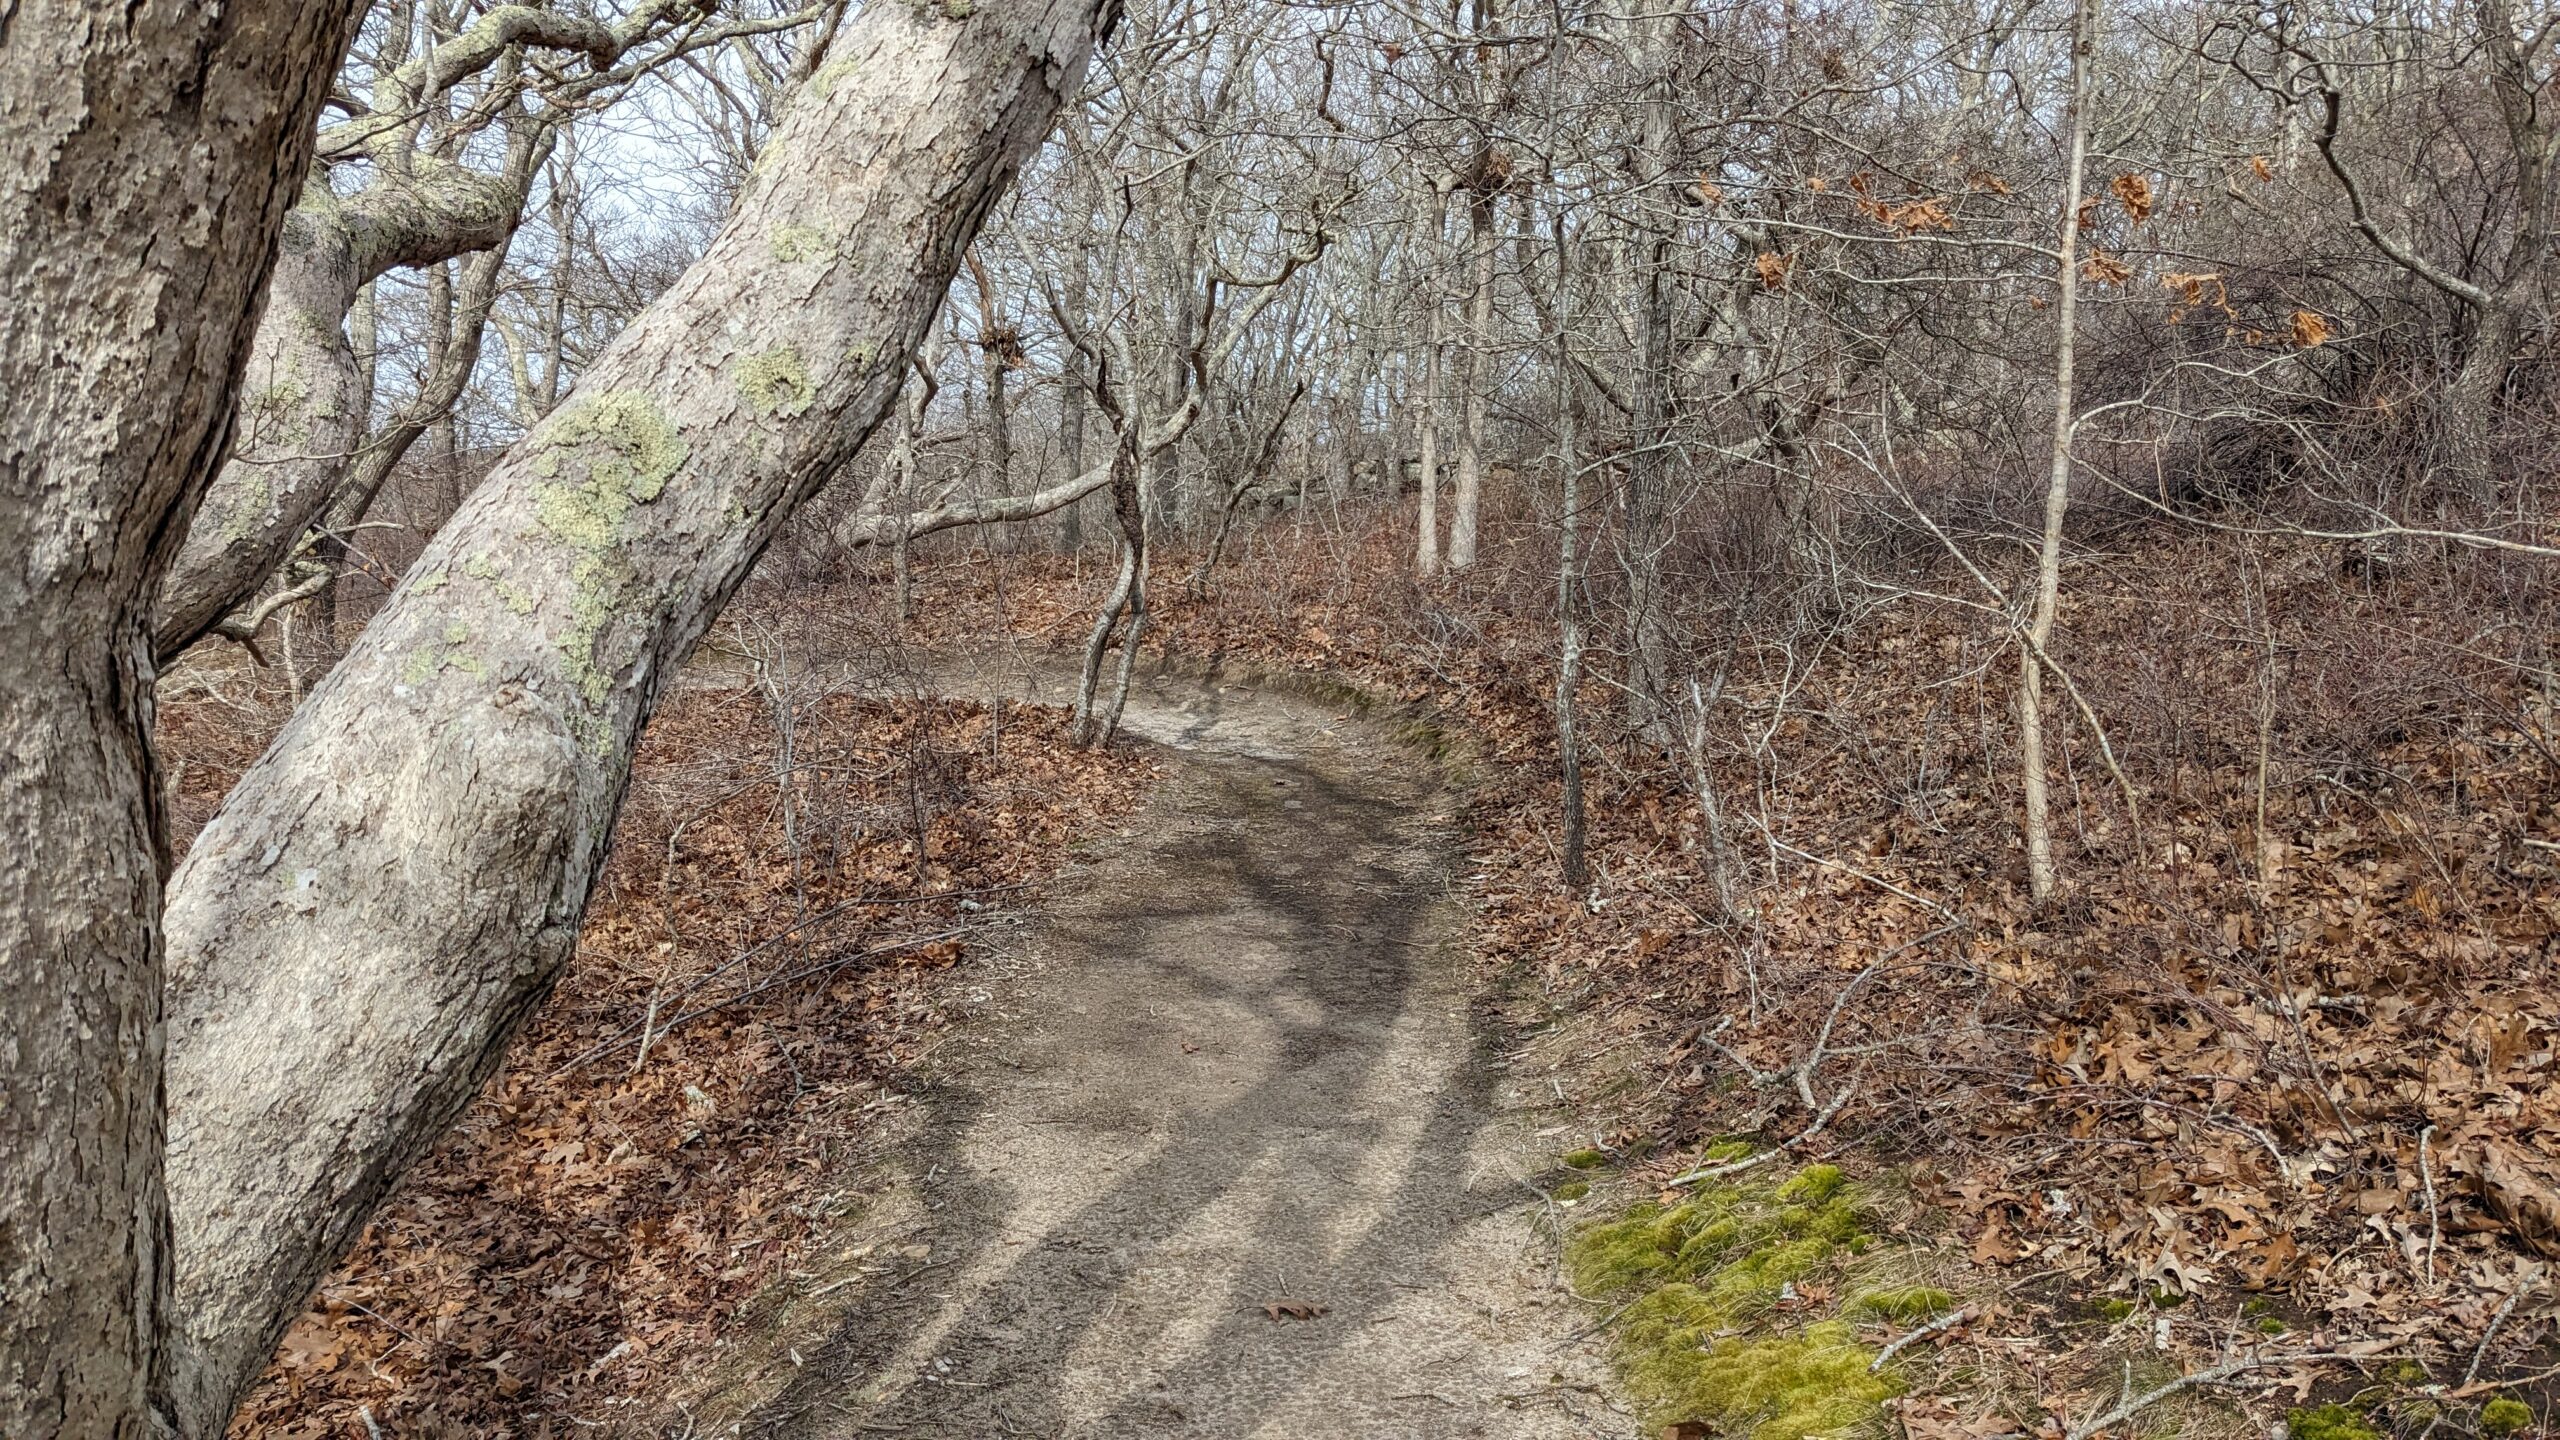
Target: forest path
(1237,1065)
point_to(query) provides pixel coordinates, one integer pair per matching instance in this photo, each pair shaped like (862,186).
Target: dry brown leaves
(2134,193)
(2235,1064)
(590,1223)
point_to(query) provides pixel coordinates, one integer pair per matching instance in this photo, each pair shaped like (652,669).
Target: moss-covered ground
(1740,1305)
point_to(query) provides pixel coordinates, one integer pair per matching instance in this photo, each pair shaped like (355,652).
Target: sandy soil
(1230,1149)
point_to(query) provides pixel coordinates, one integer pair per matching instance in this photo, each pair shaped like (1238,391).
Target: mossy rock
(1584,1159)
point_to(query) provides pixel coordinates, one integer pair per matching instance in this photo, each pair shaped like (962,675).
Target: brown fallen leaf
(2525,1201)
(1293,1309)
(1994,1244)
(1685,1430)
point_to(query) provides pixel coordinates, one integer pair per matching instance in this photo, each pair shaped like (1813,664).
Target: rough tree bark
(391,890)
(299,423)
(148,155)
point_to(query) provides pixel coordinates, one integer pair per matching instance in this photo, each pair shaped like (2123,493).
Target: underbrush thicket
(2288,1031)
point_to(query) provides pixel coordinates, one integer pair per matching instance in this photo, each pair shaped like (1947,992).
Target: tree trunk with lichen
(148,157)
(391,890)
(299,419)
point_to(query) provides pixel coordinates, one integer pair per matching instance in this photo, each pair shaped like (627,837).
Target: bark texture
(299,422)
(148,154)
(450,789)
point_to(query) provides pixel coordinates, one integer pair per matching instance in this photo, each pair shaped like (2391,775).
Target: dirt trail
(1233,1066)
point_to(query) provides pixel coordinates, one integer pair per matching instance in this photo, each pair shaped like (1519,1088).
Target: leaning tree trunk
(2470,407)
(298,421)
(148,155)
(391,890)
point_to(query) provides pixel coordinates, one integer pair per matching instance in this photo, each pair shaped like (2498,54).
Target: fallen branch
(614,1041)
(2435,1221)
(1939,1326)
(822,967)
(2223,1374)
(1820,1123)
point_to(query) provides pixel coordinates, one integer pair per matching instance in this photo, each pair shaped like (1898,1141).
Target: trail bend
(1238,1062)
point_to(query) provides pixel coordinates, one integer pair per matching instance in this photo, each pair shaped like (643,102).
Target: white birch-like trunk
(2042,880)
(1469,489)
(1426,548)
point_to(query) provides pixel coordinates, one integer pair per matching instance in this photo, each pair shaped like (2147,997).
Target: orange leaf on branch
(2133,192)
(2105,269)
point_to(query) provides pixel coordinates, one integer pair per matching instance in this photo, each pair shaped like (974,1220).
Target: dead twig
(1939,1326)
(2435,1222)
(1821,1122)
(2223,1374)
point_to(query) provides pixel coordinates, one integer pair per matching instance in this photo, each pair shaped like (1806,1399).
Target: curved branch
(2398,251)
(989,510)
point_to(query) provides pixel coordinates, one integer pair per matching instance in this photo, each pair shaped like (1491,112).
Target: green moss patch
(1703,1339)
(2505,1416)
(1907,1304)
(2330,1422)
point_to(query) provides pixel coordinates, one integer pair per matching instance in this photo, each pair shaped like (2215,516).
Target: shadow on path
(1241,1072)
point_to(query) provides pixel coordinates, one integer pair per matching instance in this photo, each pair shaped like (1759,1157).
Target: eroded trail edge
(1227,1150)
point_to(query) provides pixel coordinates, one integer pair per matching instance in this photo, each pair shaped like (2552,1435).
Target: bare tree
(2041,877)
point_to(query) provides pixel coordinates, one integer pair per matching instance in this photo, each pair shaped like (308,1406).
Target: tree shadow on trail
(1314,920)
